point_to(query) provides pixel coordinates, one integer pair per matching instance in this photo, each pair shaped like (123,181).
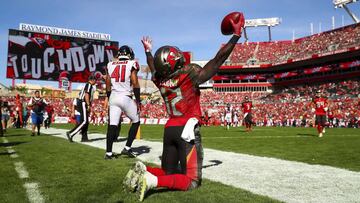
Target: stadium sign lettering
(34,55)
(63,31)
(72,60)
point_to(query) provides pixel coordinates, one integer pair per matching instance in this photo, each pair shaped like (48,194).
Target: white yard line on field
(32,189)
(33,193)
(21,170)
(287,181)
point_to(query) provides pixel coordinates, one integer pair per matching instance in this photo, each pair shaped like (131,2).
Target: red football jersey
(320,104)
(247,106)
(181,94)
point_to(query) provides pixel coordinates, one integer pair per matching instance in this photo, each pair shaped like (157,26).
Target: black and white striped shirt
(87,89)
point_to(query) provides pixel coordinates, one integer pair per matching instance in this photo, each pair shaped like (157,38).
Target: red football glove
(238,26)
(147,43)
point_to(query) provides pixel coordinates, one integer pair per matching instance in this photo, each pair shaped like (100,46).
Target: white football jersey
(120,72)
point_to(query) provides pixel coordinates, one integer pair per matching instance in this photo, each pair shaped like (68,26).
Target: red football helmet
(167,60)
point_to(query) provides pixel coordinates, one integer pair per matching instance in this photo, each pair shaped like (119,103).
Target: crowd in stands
(281,51)
(292,106)
(243,52)
(283,107)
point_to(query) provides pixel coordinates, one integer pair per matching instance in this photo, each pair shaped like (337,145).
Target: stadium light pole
(245,35)
(261,22)
(343,4)
(269,30)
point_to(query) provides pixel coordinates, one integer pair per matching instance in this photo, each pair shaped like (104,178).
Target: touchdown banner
(40,56)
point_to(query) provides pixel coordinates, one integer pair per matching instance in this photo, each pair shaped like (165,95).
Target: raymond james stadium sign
(63,31)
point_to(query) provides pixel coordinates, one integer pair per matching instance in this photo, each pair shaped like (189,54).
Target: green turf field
(77,173)
(339,147)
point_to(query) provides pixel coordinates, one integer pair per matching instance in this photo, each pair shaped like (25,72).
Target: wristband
(137,94)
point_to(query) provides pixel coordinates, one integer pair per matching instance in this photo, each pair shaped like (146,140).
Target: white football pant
(122,103)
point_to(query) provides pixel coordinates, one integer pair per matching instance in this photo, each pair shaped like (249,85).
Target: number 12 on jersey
(119,73)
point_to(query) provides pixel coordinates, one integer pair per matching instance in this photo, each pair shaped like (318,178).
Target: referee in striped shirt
(84,105)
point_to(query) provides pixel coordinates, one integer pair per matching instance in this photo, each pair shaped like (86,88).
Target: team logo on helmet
(174,57)
(168,59)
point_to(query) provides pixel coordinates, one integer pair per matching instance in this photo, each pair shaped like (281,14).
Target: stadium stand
(283,107)
(281,51)
(280,98)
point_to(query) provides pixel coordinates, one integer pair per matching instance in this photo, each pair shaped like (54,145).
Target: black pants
(84,122)
(180,156)
(248,119)
(320,120)
(47,121)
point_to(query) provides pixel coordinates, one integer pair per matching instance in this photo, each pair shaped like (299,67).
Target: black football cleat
(128,153)
(69,137)
(112,156)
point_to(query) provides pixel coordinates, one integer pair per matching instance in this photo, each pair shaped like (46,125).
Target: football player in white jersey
(235,118)
(121,83)
(228,115)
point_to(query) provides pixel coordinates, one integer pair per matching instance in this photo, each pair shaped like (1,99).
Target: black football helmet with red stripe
(167,60)
(126,51)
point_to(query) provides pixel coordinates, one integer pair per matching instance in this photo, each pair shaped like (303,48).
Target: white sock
(151,180)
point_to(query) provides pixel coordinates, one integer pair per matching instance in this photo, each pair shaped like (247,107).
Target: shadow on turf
(10,144)
(16,135)
(99,138)
(215,163)
(55,134)
(6,153)
(121,139)
(306,134)
(157,191)
(141,150)
(243,131)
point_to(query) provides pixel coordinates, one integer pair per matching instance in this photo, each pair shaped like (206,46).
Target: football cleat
(142,188)
(69,137)
(320,134)
(132,178)
(128,153)
(112,156)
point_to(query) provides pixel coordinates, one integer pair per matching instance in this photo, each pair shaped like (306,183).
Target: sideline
(287,181)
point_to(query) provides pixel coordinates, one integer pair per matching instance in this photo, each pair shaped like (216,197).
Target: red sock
(175,181)
(319,128)
(155,171)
